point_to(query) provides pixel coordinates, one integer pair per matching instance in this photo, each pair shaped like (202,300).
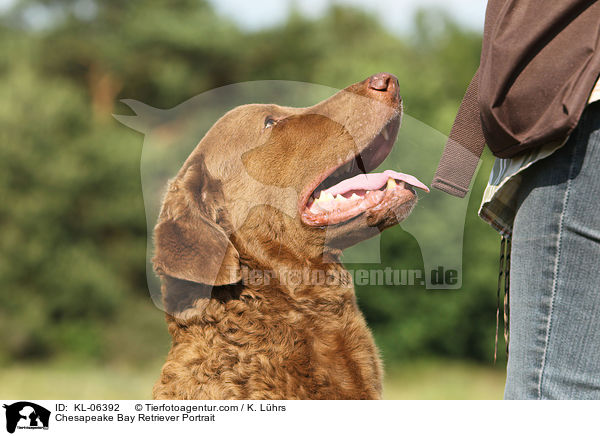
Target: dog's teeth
(325,196)
(355,197)
(391,183)
(340,198)
(385,134)
(320,205)
(315,208)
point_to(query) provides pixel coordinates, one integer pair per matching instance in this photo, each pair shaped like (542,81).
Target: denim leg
(555,273)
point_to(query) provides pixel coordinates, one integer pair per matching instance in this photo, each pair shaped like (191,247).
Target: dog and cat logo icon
(26,415)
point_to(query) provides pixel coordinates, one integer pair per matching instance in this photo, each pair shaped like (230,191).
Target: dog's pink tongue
(371,182)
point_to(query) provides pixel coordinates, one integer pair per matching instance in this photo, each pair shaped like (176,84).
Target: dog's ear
(189,244)
(197,252)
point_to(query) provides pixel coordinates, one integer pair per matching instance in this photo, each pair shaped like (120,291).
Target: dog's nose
(381,81)
(384,83)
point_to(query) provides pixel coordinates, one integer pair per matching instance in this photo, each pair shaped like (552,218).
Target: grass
(418,381)
(439,380)
(54,382)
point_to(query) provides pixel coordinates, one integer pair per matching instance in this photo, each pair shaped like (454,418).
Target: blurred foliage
(72,223)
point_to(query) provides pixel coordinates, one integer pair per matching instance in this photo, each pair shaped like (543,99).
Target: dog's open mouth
(348,190)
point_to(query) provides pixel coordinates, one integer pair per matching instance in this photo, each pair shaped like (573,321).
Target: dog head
(269,182)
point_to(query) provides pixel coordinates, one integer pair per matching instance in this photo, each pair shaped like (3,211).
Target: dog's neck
(274,273)
(325,283)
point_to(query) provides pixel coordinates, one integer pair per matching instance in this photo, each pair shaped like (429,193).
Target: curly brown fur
(232,211)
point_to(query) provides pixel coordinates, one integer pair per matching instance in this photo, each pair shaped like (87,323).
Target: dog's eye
(269,122)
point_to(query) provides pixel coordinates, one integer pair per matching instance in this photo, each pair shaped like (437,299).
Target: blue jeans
(554,350)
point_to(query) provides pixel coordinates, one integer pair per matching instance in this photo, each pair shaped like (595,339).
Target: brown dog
(268,192)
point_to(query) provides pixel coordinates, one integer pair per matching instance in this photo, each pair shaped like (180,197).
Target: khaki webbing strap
(463,148)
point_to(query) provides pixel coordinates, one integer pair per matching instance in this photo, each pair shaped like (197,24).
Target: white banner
(299,417)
